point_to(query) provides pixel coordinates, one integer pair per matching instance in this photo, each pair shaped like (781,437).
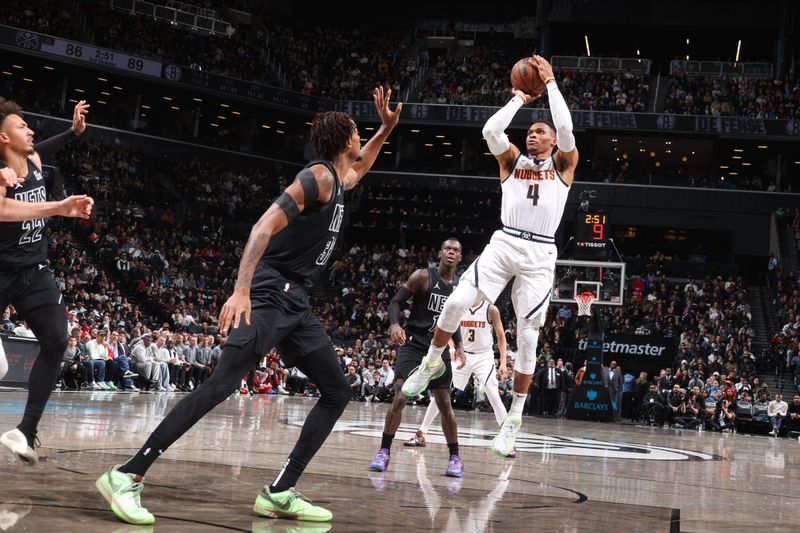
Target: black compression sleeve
(396,305)
(47,148)
(289,206)
(310,188)
(457,337)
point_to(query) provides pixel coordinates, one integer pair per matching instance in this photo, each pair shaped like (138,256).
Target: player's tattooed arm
(310,186)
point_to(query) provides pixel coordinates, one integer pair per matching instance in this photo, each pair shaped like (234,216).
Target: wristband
(548,79)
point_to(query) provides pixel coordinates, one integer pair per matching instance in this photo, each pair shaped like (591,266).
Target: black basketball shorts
(410,355)
(28,289)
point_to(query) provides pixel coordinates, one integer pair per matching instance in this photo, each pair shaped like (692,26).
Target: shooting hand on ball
(544,68)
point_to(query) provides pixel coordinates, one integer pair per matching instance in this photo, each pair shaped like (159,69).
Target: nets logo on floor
(530,442)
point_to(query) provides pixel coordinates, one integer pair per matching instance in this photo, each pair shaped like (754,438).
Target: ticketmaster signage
(636,351)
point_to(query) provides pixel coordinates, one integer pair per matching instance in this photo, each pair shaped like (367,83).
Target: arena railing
(719,68)
(636,65)
(199,21)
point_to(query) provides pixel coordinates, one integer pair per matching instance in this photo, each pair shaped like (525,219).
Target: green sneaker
(503,443)
(121,491)
(289,504)
(420,377)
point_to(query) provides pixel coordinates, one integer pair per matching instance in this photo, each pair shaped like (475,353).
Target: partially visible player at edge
(288,246)
(535,188)
(26,282)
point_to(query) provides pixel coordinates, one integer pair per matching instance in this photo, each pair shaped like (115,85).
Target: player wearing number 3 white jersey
(535,185)
(477,325)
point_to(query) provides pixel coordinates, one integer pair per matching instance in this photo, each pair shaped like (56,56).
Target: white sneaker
(111,386)
(420,377)
(133,388)
(503,443)
(17,444)
(95,386)
(281,390)
(191,384)
(3,362)
(171,387)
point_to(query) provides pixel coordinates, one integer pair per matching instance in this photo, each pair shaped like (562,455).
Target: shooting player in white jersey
(476,332)
(535,187)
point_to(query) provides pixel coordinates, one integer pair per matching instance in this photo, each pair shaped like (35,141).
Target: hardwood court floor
(569,475)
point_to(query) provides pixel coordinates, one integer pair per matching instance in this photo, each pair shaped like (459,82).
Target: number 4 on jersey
(533,193)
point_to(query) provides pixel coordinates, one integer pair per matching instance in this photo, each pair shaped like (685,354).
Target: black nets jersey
(23,243)
(304,247)
(426,307)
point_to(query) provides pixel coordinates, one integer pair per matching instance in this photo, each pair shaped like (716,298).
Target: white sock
(434,355)
(517,404)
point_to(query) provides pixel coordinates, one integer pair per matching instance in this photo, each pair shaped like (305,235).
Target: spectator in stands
(73,374)
(688,415)
(146,364)
(354,380)
(793,421)
(652,408)
(96,355)
(777,412)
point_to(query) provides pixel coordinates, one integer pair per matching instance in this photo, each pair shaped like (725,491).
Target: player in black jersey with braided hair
(291,242)
(26,282)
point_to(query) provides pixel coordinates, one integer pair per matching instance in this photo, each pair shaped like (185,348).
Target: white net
(585,300)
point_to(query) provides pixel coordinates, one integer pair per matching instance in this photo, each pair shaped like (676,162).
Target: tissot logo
(529,442)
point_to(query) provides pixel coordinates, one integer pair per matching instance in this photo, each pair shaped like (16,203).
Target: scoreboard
(591,236)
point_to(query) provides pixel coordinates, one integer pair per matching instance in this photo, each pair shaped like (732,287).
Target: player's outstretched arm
(312,185)
(370,151)
(16,211)
(49,147)
(567,156)
(494,131)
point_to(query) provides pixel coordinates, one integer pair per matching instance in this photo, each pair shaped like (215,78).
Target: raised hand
(543,66)
(79,117)
(389,118)
(9,178)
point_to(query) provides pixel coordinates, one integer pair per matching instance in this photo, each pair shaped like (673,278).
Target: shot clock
(591,236)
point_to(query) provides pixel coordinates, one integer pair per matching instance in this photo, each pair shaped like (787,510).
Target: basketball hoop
(585,300)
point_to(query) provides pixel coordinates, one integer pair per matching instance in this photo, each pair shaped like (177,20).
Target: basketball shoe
(417,382)
(503,443)
(289,504)
(17,443)
(122,492)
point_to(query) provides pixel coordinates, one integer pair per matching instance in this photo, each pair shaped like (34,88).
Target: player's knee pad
(3,362)
(457,304)
(527,340)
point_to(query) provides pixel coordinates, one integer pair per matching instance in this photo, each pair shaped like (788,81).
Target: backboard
(605,280)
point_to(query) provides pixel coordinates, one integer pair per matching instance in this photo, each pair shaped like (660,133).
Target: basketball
(525,77)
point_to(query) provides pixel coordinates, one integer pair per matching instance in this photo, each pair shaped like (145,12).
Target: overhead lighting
(223,118)
(75,102)
(448,155)
(586,40)
(692,153)
(48,67)
(145,106)
(17,66)
(102,102)
(440,136)
(265,126)
(224,105)
(167,98)
(687,40)
(26,79)
(7,73)
(143,114)
(487,153)
(280,131)
(117,87)
(213,125)
(747,164)
(668,151)
(447,144)
(738,49)
(687,57)
(369,128)
(762,146)
(797,162)
(652,154)
(105,93)
(723,166)
(414,131)
(197,99)
(238,113)
(638,53)
(736,157)
(176,108)
(658,163)
(738,150)
(387,153)
(280,122)
(79,91)
(101,79)
(429,145)
(684,159)
(733,173)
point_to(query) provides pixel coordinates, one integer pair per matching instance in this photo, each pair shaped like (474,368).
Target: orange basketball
(525,77)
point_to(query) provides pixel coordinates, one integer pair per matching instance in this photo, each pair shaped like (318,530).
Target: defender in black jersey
(291,242)
(428,288)
(25,279)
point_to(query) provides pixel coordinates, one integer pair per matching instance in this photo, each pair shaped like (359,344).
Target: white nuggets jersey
(534,196)
(476,331)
